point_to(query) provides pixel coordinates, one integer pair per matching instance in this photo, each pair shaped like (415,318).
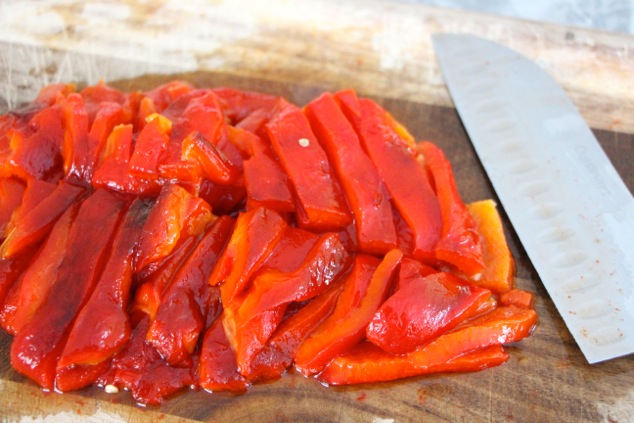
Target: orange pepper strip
(256,234)
(459,244)
(517,297)
(393,158)
(367,195)
(499,266)
(345,328)
(368,363)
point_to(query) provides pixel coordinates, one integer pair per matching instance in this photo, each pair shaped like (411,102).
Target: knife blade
(571,210)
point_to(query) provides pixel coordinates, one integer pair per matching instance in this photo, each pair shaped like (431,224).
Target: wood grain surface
(382,49)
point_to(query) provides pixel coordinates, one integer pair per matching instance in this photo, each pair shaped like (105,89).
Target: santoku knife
(569,207)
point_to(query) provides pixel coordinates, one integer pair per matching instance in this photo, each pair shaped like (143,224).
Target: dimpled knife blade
(568,205)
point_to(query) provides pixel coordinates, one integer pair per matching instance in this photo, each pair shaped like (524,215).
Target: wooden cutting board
(546,379)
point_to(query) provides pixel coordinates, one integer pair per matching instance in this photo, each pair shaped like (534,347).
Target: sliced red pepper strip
(245,332)
(393,158)
(183,310)
(321,204)
(10,271)
(113,171)
(366,193)
(223,199)
(102,328)
(273,290)
(107,117)
(11,194)
(423,309)
(278,354)
(148,295)
(176,212)
(499,266)
(345,328)
(266,182)
(96,96)
(254,237)
(36,191)
(459,243)
(412,270)
(32,289)
(204,114)
(36,349)
(150,143)
(53,93)
(75,148)
(217,368)
(323,264)
(38,154)
(368,363)
(215,165)
(163,95)
(237,104)
(517,297)
(140,369)
(36,224)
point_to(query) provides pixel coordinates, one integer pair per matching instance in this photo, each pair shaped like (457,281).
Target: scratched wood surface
(290,52)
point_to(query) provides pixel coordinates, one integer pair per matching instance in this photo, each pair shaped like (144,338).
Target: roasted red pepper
(280,351)
(176,214)
(11,193)
(459,243)
(151,287)
(113,169)
(36,349)
(149,145)
(36,224)
(393,158)
(517,297)
(75,147)
(141,369)
(266,182)
(366,193)
(321,205)
(183,310)
(217,369)
(368,363)
(251,323)
(37,153)
(346,326)
(255,235)
(215,165)
(422,309)
(237,104)
(102,327)
(32,289)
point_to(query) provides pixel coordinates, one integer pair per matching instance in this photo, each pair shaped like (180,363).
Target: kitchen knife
(569,207)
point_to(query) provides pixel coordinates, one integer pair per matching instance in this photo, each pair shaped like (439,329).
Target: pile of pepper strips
(213,238)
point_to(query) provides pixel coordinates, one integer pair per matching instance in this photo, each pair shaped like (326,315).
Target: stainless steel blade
(571,210)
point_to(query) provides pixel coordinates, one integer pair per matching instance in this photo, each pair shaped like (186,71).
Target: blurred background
(609,15)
